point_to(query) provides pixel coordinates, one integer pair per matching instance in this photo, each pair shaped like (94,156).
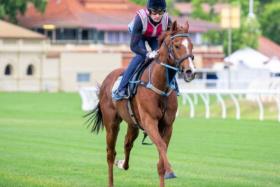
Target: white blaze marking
(185,43)
(192,65)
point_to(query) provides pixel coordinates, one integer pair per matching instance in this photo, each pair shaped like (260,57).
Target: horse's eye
(177,46)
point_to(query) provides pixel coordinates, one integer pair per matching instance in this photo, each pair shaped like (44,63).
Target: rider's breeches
(136,61)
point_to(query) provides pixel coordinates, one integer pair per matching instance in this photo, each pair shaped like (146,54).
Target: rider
(147,26)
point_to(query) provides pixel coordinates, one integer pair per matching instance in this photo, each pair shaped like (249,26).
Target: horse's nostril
(189,71)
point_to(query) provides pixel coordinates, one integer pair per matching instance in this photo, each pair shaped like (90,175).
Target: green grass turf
(43,142)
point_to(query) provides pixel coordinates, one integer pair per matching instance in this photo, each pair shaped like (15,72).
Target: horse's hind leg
(131,135)
(112,130)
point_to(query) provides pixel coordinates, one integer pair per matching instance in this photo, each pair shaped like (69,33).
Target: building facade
(22,56)
(104,22)
(95,21)
(29,63)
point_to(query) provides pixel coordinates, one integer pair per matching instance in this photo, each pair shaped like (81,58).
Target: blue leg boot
(176,87)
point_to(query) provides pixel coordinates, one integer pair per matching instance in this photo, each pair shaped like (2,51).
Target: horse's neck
(158,77)
(158,74)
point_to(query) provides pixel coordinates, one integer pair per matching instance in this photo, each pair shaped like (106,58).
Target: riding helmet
(156,5)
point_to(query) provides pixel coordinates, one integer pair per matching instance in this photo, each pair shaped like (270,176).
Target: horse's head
(176,50)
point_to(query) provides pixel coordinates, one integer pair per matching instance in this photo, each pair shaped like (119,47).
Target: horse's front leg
(131,135)
(165,133)
(151,127)
(161,171)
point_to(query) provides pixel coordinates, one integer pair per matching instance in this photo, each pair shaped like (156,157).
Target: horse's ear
(186,27)
(174,26)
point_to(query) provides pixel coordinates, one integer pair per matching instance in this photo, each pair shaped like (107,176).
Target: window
(70,34)
(113,38)
(126,37)
(8,70)
(83,77)
(100,37)
(30,70)
(85,34)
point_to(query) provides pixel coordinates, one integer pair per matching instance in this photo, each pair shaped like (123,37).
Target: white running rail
(260,96)
(89,98)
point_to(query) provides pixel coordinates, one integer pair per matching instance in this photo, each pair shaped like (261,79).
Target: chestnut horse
(154,105)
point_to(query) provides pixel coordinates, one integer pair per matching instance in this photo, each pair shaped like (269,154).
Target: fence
(190,97)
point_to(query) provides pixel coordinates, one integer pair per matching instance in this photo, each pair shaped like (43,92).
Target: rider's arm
(136,37)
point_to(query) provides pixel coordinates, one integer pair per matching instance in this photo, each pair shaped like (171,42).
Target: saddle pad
(117,83)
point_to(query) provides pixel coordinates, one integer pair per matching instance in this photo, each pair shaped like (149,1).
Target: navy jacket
(137,35)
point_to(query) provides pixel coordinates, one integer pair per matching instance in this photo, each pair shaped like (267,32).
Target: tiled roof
(268,47)
(108,15)
(9,30)
(61,13)
(110,5)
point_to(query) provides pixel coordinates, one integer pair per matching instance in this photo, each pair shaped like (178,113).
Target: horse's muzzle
(189,75)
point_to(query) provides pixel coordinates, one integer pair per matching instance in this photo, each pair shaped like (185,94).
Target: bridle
(172,55)
(175,68)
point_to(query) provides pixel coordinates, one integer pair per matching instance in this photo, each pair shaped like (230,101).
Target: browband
(179,35)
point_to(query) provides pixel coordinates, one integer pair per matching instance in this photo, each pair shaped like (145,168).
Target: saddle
(135,80)
(133,83)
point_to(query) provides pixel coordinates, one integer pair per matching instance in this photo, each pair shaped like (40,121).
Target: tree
(270,22)
(139,2)
(246,35)
(198,11)
(9,9)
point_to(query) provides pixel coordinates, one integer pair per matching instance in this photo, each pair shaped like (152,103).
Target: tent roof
(273,65)
(247,57)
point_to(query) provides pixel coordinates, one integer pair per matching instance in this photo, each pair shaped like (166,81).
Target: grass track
(43,142)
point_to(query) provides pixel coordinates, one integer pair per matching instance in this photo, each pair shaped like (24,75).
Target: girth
(133,116)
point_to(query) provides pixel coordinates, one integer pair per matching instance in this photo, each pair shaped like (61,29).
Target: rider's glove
(152,54)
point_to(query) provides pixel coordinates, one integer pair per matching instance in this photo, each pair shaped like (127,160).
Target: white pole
(229,46)
(251,9)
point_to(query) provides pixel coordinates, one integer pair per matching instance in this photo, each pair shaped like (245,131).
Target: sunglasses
(155,12)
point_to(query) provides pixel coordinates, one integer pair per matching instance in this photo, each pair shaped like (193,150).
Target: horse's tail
(94,119)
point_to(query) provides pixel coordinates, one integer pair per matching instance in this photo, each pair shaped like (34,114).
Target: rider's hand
(152,54)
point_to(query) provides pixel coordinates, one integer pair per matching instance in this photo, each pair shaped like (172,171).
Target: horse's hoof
(170,175)
(119,164)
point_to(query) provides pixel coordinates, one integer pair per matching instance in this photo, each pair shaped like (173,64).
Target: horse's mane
(162,37)
(169,32)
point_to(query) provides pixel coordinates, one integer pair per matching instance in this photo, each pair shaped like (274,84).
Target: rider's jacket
(149,28)
(143,27)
